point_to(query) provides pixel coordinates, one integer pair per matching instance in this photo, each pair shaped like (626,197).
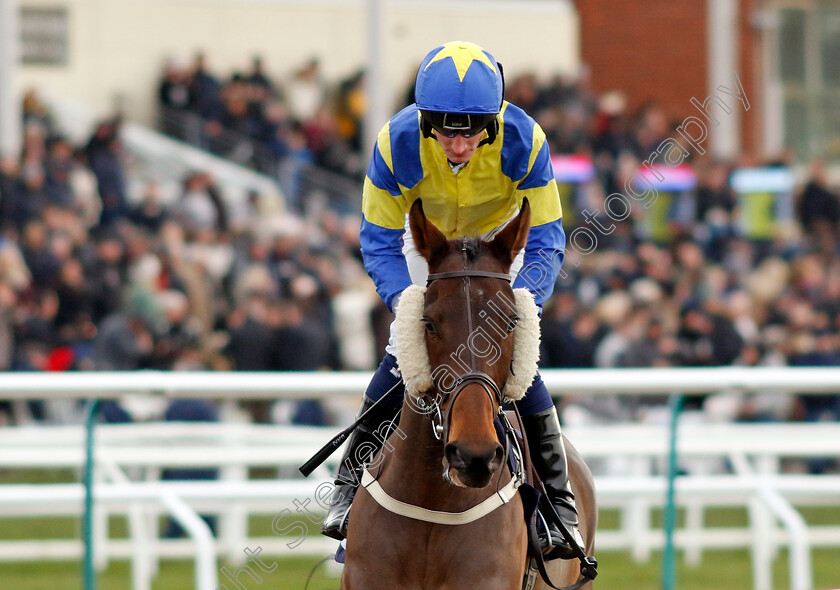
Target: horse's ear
(508,242)
(429,240)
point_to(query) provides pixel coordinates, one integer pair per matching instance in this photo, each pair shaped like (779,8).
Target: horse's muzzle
(464,466)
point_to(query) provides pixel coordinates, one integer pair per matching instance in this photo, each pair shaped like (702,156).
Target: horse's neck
(414,443)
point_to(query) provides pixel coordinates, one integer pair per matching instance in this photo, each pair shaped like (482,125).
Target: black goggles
(463,124)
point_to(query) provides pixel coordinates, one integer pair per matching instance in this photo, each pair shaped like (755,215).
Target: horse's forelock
(471,248)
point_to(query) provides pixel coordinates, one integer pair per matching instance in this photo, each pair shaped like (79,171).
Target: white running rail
(297,385)
(147,448)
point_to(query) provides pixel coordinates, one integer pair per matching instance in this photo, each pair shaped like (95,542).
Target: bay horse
(446,455)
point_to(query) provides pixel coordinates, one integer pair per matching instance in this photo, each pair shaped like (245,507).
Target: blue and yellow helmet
(459,84)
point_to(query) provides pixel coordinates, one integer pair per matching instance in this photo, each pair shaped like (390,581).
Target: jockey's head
(459,91)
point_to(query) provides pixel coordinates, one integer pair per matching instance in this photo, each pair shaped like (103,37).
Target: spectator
(301,344)
(107,273)
(179,334)
(59,164)
(105,157)
(40,260)
(13,270)
(174,90)
(201,208)
(75,296)
(251,336)
(29,197)
(124,342)
(83,185)
(150,214)
(205,91)
(36,112)
(305,91)
(251,343)
(350,109)
(819,208)
(707,338)
(262,88)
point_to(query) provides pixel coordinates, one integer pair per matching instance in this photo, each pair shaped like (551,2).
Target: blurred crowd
(91,280)
(279,128)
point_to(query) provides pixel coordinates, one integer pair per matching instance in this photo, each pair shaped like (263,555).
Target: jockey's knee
(386,378)
(536,399)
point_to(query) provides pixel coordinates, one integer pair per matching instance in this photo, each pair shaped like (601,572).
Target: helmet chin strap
(492,130)
(425,127)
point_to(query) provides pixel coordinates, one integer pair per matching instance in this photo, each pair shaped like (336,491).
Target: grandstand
(180,190)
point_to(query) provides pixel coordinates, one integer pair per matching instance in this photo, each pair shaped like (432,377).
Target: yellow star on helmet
(463,54)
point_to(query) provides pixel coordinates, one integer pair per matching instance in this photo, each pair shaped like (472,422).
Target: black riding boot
(549,456)
(365,441)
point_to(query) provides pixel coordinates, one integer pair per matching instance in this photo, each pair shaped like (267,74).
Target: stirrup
(335,522)
(557,547)
(553,544)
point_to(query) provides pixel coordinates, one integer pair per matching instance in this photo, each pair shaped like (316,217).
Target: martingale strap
(390,504)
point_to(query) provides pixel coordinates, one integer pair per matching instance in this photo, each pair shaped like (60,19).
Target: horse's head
(469,314)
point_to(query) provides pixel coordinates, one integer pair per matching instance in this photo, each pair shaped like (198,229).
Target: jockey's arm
(546,241)
(383,224)
(543,259)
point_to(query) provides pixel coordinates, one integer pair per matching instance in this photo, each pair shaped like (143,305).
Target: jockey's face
(459,149)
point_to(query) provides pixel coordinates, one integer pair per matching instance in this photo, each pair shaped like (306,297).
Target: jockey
(472,157)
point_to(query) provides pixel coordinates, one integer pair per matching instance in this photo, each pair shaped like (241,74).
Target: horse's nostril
(453,455)
(500,454)
(474,462)
(491,459)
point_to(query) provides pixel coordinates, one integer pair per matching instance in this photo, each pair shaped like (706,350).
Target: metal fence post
(89,577)
(669,567)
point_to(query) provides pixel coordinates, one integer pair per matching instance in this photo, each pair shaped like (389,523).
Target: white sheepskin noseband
(413,358)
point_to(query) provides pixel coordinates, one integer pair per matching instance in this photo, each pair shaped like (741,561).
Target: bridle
(441,419)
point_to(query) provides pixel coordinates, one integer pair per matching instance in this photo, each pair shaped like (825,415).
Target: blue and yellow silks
(486,193)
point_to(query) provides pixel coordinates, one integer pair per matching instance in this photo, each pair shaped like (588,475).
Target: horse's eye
(430,326)
(511,324)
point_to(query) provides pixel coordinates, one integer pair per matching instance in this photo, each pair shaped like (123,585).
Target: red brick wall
(655,50)
(652,50)
(749,70)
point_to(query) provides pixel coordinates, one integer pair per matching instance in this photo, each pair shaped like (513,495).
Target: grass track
(719,570)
